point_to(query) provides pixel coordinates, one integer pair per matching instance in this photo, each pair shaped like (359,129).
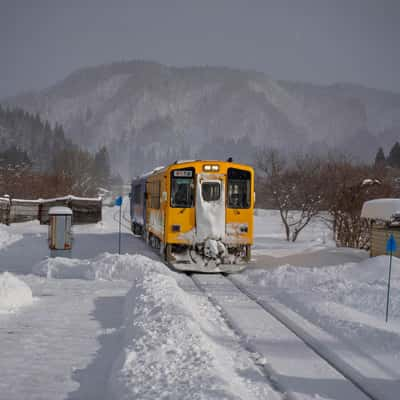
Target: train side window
(155,195)
(211,191)
(182,188)
(239,188)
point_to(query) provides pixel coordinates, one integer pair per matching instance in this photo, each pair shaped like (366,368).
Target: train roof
(183,162)
(147,174)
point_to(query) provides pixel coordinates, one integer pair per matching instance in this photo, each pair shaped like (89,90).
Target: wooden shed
(379,237)
(85,210)
(384,219)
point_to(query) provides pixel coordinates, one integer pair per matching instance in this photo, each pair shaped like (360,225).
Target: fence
(4,210)
(85,210)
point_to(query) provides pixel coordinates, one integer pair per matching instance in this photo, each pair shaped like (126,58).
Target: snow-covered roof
(60,211)
(153,171)
(69,197)
(184,161)
(26,201)
(366,182)
(383,209)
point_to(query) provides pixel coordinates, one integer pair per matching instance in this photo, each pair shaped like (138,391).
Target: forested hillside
(30,134)
(36,160)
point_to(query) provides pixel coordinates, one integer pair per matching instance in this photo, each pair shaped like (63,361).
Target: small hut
(60,231)
(383,216)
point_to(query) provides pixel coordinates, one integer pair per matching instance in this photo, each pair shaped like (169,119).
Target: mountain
(147,113)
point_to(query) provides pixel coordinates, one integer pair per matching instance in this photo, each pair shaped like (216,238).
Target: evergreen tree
(380,158)
(30,134)
(394,156)
(14,157)
(102,169)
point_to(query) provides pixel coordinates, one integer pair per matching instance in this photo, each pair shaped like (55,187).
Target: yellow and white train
(199,214)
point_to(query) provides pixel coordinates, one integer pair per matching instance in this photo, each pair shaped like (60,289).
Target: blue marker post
(118,202)
(391,247)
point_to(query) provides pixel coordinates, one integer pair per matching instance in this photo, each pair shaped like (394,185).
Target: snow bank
(171,349)
(175,344)
(13,293)
(6,237)
(65,268)
(360,286)
(105,266)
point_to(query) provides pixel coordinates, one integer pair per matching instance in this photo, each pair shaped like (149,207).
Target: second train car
(199,214)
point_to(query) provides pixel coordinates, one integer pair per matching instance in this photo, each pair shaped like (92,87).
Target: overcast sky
(321,41)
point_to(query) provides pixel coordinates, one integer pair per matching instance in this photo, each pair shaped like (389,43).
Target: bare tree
(347,187)
(76,166)
(295,188)
(20,181)
(301,189)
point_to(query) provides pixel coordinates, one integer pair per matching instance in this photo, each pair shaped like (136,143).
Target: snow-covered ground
(107,326)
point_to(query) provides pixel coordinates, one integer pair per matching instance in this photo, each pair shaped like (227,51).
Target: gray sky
(321,41)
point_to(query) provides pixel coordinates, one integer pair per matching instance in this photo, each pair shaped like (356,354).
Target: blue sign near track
(118,201)
(391,247)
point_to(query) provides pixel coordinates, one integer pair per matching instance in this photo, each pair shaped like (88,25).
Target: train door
(210,208)
(143,198)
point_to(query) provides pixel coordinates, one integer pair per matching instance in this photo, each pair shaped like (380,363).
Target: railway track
(263,325)
(125,221)
(228,294)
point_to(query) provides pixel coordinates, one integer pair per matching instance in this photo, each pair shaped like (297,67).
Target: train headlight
(209,167)
(244,228)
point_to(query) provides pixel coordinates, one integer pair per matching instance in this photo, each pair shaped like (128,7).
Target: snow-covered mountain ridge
(148,113)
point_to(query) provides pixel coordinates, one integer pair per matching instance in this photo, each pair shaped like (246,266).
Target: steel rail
(337,363)
(246,345)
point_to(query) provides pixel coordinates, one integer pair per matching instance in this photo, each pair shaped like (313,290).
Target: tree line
(333,188)
(393,158)
(36,160)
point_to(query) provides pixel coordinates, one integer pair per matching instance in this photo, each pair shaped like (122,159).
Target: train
(197,214)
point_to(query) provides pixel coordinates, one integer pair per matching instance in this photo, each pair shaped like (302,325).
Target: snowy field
(107,326)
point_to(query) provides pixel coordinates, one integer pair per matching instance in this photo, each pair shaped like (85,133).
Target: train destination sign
(183,173)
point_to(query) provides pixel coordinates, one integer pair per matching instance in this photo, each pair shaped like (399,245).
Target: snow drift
(13,293)
(358,286)
(105,266)
(6,237)
(171,347)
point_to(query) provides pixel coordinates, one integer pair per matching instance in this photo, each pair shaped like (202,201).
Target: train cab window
(238,188)
(211,191)
(182,188)
(137,194)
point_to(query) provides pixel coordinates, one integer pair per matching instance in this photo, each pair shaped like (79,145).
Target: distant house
(383,216)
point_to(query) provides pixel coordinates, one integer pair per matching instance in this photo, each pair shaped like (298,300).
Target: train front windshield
(239,183)
(182,188)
